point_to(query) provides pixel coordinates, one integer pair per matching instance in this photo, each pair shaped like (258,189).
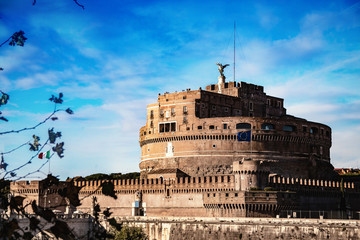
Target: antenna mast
(234,50)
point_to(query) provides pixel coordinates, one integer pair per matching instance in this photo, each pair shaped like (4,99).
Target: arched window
(267,126)
(314,130)
(243,126)
(289,128)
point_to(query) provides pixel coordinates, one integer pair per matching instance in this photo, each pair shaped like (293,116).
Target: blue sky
(113,58)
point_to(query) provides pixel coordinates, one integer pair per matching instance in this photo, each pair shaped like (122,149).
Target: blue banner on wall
(244,136)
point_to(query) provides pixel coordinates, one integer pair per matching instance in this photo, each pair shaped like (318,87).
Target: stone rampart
(301,184)
(244,228)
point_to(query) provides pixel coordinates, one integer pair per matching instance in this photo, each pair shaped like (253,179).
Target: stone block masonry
(244,228)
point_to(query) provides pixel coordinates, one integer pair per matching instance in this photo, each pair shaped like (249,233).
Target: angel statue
(221,68)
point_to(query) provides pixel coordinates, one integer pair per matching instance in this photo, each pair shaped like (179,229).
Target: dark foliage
(108,189)
(34,222)
(62,230)
(71,192)
(8,228)
(4,98)
(59,149)
(107,212)
(35,146)
(112,176)
(114,224)
(47,214)
(69,111)
(53,135)
(57,99)
(97,176)
(4,192)
(18,39)
(16,203)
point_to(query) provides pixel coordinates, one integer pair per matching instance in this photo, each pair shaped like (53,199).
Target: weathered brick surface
(245,228)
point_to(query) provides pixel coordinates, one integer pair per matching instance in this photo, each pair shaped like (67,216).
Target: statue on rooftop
(221,78)
(221,69)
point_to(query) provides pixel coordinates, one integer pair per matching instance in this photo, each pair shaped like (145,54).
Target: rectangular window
(161,127)
(251,106)
(185,109)
(173,127)
(213,107)
(268,102)
(225,126)
(304,129)
(152,114)
(278,104)
(172,111)
(167,127)
(167,114)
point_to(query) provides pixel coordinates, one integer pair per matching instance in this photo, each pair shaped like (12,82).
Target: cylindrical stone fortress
(197,132)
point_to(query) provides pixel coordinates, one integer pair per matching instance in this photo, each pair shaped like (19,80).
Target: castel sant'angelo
(229,150)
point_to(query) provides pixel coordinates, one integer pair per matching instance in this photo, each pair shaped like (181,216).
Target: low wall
(244,228)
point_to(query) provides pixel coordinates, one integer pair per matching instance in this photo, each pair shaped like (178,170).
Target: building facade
(227,151)
(196,132)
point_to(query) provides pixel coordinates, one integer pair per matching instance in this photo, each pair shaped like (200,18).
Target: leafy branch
(58,148)
(56,100)
(14,149)
(17,39)
(12,172)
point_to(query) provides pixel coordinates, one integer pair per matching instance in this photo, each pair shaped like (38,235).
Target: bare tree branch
(28,162)
(12,150)
(37,125)
(5,41)
(82,6)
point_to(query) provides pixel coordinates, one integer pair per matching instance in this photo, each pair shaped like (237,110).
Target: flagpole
(49,167)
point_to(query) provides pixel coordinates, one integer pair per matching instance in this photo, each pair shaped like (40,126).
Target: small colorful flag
(45,155)
(244,136)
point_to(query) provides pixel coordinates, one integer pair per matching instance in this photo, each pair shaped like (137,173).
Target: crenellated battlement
(215,182)
(300,184)
(225,181)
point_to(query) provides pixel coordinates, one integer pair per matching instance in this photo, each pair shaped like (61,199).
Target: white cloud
(345,151)
(19,58)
